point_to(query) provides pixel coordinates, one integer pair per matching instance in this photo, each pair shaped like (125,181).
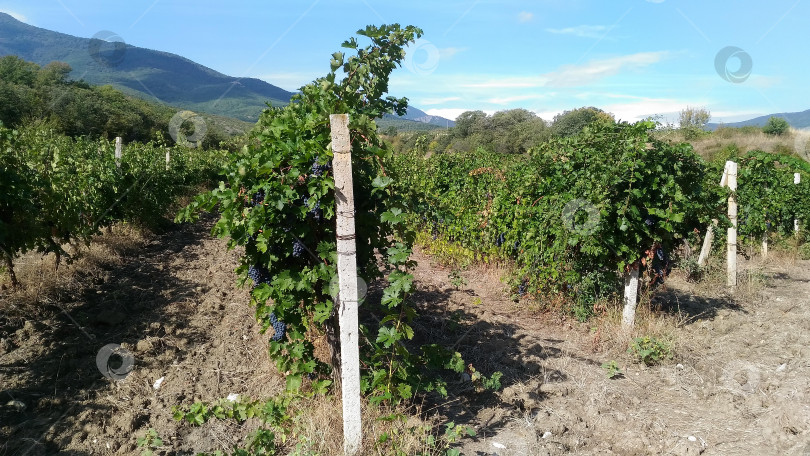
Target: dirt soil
(739,382)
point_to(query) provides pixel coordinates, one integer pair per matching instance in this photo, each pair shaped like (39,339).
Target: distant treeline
(512,131)
(30,93)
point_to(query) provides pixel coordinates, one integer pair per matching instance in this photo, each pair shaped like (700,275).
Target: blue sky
(633,58)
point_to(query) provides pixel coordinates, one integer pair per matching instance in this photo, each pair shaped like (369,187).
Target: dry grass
(318,429)
(40,278)
(726,141)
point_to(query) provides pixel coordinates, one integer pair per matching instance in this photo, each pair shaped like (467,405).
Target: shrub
(776,126)
(650,350)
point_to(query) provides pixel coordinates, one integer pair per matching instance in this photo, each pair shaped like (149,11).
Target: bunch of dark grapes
(278,326)
(522,288)
(316,212)
(298,249)
(257,199)
(501,240)
(661,266)
(258,274)
(650,220)
(318,169)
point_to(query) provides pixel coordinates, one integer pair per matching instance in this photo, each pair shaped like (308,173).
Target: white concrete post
(347,279)
(118,151)
(168,159)
(765,244)
(707,243)
(630,298)
(731,181)
(797,179)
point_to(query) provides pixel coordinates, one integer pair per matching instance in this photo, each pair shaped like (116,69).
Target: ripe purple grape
(318,169)
(278,326)
(257,198)
(298,249)
(258,274)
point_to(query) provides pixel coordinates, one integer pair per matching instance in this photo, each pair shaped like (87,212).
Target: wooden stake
(168,159)
(630,298)
(731,181)
(347,277)
(118,151)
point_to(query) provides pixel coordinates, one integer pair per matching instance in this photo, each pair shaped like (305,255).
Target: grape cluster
(522,288)
(278,326)
(318,169)
(501,240)
(298,249)
(257,199)
(258,274)
(316,212)
(661,266)
(650,220)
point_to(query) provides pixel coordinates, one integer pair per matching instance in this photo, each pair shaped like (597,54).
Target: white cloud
(506,83)
(525,16)
(505,100)
(584,31)
(434,101)
(449,52)
(15,15)
(580,75)
(646,107)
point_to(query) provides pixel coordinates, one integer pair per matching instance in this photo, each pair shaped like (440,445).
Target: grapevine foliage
(56,189)
(277,201)
(767,197)
(574,212)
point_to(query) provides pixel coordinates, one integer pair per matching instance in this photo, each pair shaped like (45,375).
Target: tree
(469,123)
(571,123)
(53,73)
(516,131)
(693,121)
(776,126)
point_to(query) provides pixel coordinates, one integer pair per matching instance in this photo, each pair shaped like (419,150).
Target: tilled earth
(739,382)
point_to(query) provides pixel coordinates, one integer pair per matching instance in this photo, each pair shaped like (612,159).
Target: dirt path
(740,383)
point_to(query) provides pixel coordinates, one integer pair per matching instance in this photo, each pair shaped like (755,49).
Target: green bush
(776,126)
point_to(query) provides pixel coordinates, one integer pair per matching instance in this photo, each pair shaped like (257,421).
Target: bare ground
(739,382)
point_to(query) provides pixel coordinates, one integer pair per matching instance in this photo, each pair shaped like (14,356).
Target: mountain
(414,120)
(161,76)
(795,119)
(153,75)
